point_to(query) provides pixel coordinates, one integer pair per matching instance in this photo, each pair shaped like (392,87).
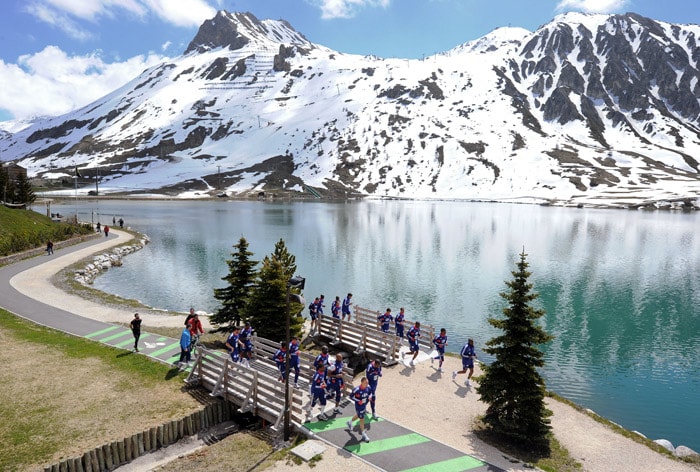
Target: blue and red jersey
(385,320)
(440,343)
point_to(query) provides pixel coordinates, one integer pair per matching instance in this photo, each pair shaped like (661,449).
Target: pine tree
(240,279)
(23,190)
(267,305)
(512,386)
(288,261)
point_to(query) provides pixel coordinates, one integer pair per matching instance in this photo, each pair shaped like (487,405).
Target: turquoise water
(620,288)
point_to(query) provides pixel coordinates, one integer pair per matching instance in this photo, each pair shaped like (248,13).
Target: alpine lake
(621,288)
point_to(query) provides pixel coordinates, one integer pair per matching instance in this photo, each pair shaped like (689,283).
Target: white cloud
(164,47)
(345,8)
(182,12)
(64,14)
(593,6)
(51,82)
(58,20)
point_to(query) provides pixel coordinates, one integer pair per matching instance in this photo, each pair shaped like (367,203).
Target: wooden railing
(248,388)
(361,339)
(257,389)
(368,317)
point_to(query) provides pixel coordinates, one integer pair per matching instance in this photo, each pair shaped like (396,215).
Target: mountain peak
(237,30)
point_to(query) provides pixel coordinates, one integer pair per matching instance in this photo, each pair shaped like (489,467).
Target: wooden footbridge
(257,388)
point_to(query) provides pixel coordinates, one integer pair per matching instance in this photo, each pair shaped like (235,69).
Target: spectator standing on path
(98,227)
(114,220)
(399,324)
(135,326)
(280,359)
(360,396)
(294,359)
(49,247)
(313,314)
(468,355)
(373,372)
(106,231)
(440,341)
(335,376)
(121,223)
(185,340)
(318,392)
(189,317)
(345,308)
(385,320)
(413,336)
(335,308)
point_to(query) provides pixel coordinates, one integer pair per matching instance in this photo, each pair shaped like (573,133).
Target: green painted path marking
(131,341)
(102,331)
(334,423)
(114,336)
(452,465)
(168,348)
(382,445)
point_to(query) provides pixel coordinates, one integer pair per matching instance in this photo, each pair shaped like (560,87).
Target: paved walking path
(392,447)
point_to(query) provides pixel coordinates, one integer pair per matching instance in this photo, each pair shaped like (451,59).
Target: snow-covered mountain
(587,109)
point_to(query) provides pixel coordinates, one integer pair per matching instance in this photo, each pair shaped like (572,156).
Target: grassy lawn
(69,394)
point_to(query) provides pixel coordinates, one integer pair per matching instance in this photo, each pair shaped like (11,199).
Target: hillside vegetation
(21,230)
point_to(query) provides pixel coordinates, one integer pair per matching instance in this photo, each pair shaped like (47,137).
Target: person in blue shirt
(373,372)
(399,324)
(440,341)
(185,340)
(318,392)
(413,336)
(335,308)
(322,359)
(233,344)
(345,308)
(294,359)
(246,343)
(468,355)
(335,380)
(360,395)
(280,358)
(385,320)
(321,304)
(313,314)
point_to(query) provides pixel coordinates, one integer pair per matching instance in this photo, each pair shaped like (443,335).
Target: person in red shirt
(195,328)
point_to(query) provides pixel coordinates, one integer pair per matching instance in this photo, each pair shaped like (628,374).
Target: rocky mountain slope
(588,109)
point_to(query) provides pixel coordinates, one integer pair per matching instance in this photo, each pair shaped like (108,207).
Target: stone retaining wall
(113,454)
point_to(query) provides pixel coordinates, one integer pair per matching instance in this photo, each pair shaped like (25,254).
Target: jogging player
(360,396)
(440,341)
(468,355)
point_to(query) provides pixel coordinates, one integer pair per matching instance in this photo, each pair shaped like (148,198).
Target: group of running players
(327,382)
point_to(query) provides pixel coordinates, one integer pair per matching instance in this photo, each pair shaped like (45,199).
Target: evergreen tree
(288,261)
(267,305)
(7,187)
(240,279)
(23,190)
(512,386)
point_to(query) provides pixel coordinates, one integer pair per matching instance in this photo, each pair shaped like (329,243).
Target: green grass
(78,348)
(65,394)
(21,230)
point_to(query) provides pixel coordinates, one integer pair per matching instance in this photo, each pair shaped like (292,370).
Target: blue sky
(58,55)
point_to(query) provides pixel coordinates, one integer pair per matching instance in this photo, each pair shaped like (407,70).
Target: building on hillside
(14,170)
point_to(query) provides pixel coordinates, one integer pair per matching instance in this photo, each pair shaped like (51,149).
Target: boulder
(666,444)
(684,451)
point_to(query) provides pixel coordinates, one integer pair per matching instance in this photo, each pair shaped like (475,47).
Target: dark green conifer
(240,279)
(512,386)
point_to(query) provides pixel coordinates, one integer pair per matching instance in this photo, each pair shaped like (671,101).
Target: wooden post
(140,446)
(128,451)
